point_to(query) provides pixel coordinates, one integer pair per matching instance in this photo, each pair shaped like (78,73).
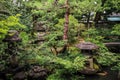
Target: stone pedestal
(12,38)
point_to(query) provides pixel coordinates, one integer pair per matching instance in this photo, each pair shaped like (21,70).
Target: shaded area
(112,75)
(113,47)
(24,73)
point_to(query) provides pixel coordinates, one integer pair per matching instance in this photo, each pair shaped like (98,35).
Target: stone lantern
(12,38)
(41,32)
(88,49)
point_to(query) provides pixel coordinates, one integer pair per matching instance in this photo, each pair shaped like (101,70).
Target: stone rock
(20,76)
(37,72)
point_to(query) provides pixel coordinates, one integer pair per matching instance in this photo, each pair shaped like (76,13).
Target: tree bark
(66,25)
(97,17)
(88,20)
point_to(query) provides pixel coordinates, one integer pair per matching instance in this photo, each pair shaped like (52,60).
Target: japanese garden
(59,39)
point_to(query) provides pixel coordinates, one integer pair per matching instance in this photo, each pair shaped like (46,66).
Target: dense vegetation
(64,23)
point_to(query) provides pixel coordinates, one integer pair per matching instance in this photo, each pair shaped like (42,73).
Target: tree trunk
(97,18)
(88,20)
(66,25)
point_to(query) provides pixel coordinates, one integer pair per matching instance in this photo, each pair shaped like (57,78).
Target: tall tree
(107,6)
(99,12)
(88,8)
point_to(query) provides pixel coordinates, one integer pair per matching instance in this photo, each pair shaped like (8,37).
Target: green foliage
(50,14)
(69,62)
(61,66)
(56,75)
(2,52)
(61,74)
(25,38)
(73,28)
(86,7)
(9,6)
(56,32)
(116,29)
(89,6)
(116,67)
(117,63)
(94,36)
(112,6)
(4,14)
(106,58)
(11,23)
(77,63)
(2,48)
(73,51)
(55,39)
(67,67)
(91,33)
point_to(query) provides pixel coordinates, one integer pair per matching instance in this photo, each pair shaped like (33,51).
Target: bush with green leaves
(93,35)
(11,23)
(104,57)
(60,66)
(68,64)
(55,34)
(117,63)
(61,74)
(117,66)
(25,38)
(67,61)
(67,67)
(116,29)
(107,58)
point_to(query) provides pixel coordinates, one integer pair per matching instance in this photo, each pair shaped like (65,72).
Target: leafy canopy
(12,22)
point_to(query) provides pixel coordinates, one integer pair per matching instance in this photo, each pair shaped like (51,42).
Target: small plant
(117,64)
(25,37)
(116,29)
(11,23)
(106,58)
